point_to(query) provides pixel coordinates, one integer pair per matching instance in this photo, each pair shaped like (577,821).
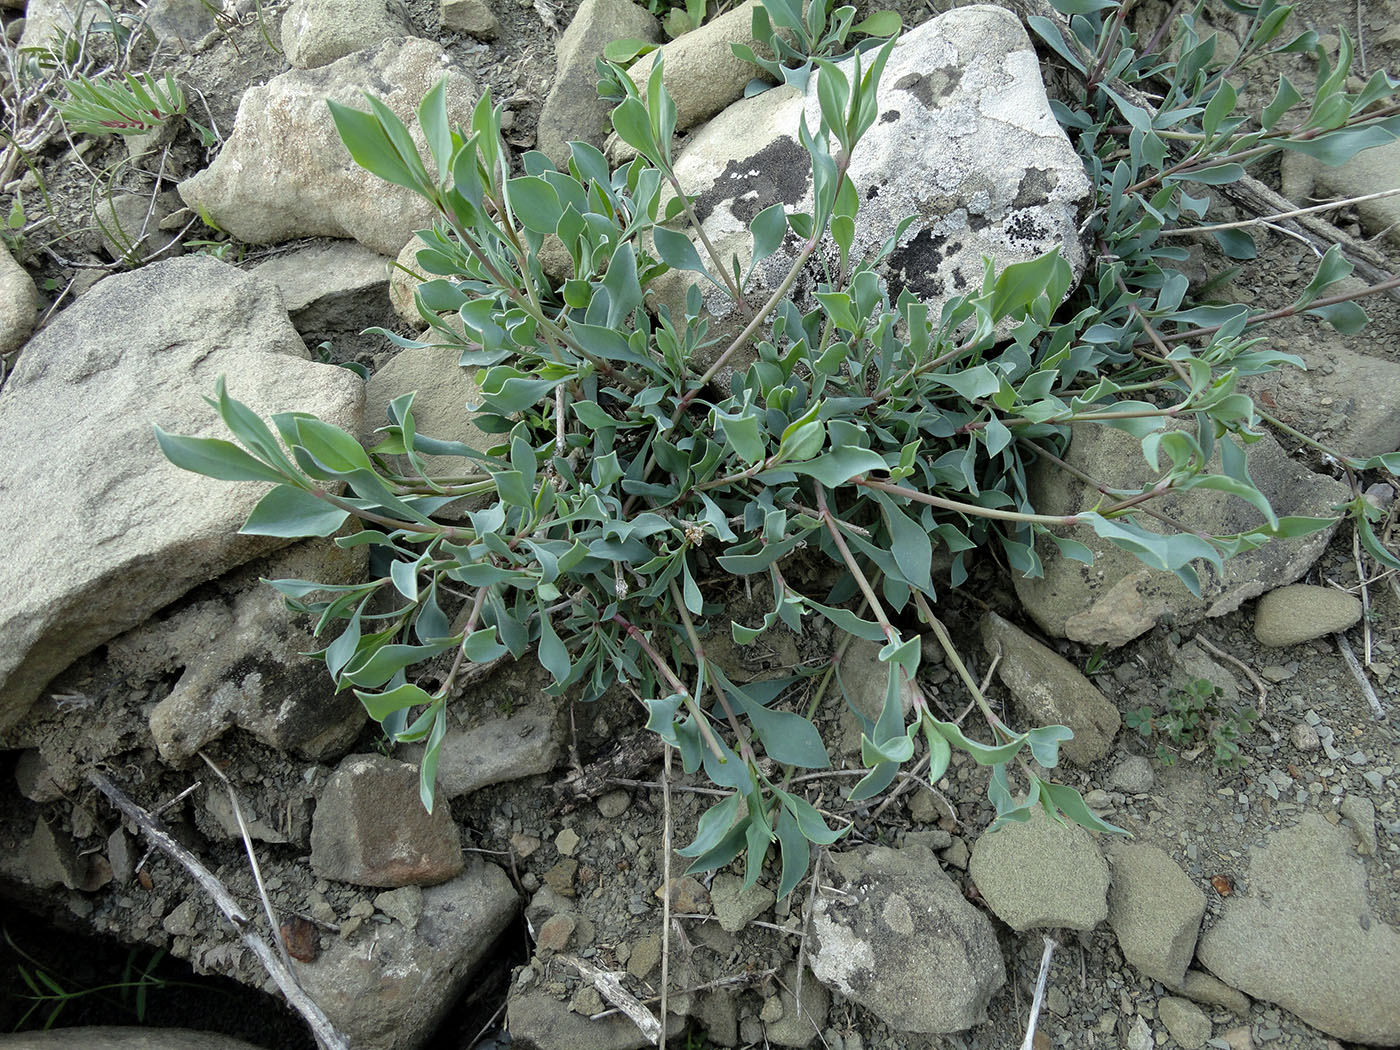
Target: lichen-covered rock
(966,141)
(904,943)
(284,173)
(105,530)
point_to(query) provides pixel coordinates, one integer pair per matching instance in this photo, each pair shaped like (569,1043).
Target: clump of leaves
(860,428)
(796,38)
(1196,718)
(125,105)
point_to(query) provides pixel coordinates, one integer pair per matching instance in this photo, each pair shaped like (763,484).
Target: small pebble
(613,804)
(1305,737)
(566,842)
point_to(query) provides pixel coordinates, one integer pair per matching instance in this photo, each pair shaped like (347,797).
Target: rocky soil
(1255,905)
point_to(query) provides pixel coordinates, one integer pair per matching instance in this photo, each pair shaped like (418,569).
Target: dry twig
(1039,997)
(610,988)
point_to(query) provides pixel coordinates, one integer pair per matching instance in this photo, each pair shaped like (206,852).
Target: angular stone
(19,302)
(1185,1022)
(51,859)
(795,1027)
(736,907)
(397,994)
(473,17)
(337,284)
(370,828)
(539,1021)
(106,530)
(284,173)
(1304,935)
(1205,988)
(903,942)
(573,111)
(1301,612)
(1039,874)
(256,678)
(1118,597)
(1049,691)
(1155,911)
(317,32)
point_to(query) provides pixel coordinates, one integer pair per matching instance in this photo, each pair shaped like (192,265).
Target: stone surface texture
(1301,612)
(1370,171)
(396,995)
(1185,1022)
(1118,597)
(473,17)
(329,285)
(111,1037)
(19,302)
(573,111)
(317,32)
(904,943)
(371,829)
(1038,873)
(1304,936)
(1048,690)
(960,97)
(527,742)
(284,172)
(539,1021)
(93,558)
(1155,911)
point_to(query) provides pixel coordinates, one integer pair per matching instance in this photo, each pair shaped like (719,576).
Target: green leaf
(633,126)
(371,148)
(535,203)
(381,705)
(768,229)
(214,458)
(982,754)
(840,465)
(432,118)
(676,250)
(714,825)
(293,512)
(795,851)
(1069,802)
(625,50)
(624,290)
(743,435)
(787,738)
(886,23)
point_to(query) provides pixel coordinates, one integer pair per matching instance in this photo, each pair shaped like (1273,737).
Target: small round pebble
(1305,737)
(1133,775)
(1300,612)
(613,804)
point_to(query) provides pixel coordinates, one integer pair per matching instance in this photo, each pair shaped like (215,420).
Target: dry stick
(807,909)
(325,1032)
(1365,594)
(1039,993)
(1360,676)
(272,923)
(721,982)
(1259,686)
(666,894)
(1294,213)
(611,989)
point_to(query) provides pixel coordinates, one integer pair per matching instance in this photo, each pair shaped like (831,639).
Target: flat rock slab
(371,829)
(105,531)
(966,141)
(904,943)
(331,285)
(1155,911)
(392,991)
(1303,935)
(1118,597)
(284,172)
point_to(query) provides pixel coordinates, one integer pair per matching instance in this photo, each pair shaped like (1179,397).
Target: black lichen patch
(915,265)
(777,172)
(889,116)
(1026,228)
(932,87)
(1035,188)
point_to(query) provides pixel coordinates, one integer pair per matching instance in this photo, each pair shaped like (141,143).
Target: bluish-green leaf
(288,511)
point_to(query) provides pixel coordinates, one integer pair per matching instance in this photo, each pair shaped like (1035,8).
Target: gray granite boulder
(317,32)
(105,531)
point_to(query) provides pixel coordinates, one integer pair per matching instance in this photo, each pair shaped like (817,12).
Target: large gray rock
(966,141)
(256,678)
(1155,911)
(904,943)
(390,991)
(284,172)
(573,111)
(317,32)
(46,20)
(19,302)
(1370,171)
(1039,873)
(1304,935)
(1049,691)
(527,742)
(105,531)
(1117,598)
(371,829)
(114,1038)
